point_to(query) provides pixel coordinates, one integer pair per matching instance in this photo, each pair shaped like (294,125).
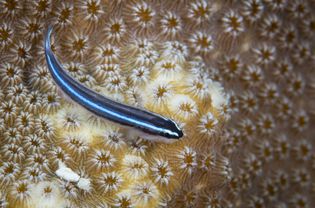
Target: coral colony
(236,76)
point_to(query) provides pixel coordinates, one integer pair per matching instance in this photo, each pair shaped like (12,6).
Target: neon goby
(143,120)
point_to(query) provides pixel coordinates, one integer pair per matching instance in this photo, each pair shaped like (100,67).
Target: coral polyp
(235,76)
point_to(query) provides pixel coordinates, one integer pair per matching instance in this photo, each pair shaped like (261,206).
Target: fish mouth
(180,134)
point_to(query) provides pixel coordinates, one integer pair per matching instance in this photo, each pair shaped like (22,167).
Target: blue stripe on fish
(146,121)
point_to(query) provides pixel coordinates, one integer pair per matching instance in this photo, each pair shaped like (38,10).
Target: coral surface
(238,76)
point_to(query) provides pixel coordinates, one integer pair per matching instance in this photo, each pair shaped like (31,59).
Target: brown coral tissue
(236,75)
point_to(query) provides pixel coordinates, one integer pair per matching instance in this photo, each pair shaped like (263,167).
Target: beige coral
(236,75)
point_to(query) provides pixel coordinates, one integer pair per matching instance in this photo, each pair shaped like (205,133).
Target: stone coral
(236,75)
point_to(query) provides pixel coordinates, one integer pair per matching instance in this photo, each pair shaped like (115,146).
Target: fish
(154,126)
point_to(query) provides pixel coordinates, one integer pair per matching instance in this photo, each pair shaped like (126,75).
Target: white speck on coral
(66,173)
(69,175)
(84,184)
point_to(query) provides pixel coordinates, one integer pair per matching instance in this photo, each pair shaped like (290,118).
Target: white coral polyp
(47,194)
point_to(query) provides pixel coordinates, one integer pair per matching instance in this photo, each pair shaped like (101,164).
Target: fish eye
(166,134)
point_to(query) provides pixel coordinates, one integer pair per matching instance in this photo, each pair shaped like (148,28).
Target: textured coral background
(237,75)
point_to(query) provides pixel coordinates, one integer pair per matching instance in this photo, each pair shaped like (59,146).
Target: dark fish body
(146,121)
